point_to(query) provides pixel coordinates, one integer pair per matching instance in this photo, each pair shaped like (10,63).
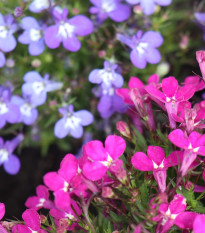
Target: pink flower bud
(200,57)
(122,127)
(107,192)
(189,185)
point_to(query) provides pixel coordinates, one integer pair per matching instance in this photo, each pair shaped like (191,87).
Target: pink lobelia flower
(171,95)
(157,163)
(100,159)
(196,81)
(65,181)
(32,223)
(173,213)
(199,224)
(192,145)
(2,212)
(41,200)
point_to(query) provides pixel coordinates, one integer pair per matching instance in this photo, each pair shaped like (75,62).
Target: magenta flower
(67,30)
(199,224)
(200,57)
(100,159)
(157,163)
(171,95)
(41,200)
(2,212)
(32,223)
(170,214)
(192,145)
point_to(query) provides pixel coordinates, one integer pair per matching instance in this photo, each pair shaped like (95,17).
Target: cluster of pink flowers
(106,176)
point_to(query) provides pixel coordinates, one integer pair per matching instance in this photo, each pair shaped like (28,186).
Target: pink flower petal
(20,228)
(53,181)
(94,170)
(135,82)
(199,224)
(178,138)
(115,146)
(141,162)
(174,159)
(178,204)
(153,91)
(124,94)
(62,199)
(185,220)
(32,219)
(95,151)
(42,192)
(169,86)
(2,210)
(156,154)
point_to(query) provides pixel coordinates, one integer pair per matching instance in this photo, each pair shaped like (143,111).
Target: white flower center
(172,216)
(141,47)
(66,30)
(41,202)
(72,122)
(35,34)
(106,76)
(158,166)
(193,149)
(110,91)
(65,188)
(3,155)
(108,162)
(38,87)
(70,216)
(32,230)
(3,31)
(41,4)
(25,109)
(3,108)
(108,6)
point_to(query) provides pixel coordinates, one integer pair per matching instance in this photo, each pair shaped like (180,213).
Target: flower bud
(122,127)
(18,12)
(107,192)
(200,57)
(189,185)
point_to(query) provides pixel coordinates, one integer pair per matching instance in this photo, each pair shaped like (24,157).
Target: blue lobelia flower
(143,47)
(9,112)
(37,87)
(107,77)
(10,161)
(27,109)
(113,9)
(38,6)
(72,122)
(148,6)
(66,30)
(32,35)
(200,17)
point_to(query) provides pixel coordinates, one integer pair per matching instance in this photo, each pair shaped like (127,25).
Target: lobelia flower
(7,27)
(173,213)
(197,82)
(41,200)
(171,95)
(2,212)
(28,112)
(113,9)
(32,35)
(199,223)
(148,6)
(193,145)
(72,122)
(2,59)
(32,223)
(65,182)
(66,31)
(143,47)
(157,163)
(39,5)
(37,87)
(100,159)
(10,161)
(9,112)
(110,102)
(107,77)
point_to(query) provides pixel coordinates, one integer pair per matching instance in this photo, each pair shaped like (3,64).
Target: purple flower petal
(2,59)
(148,6)
(83,25)
(85,116)
(72,44)
(76,132)
(60,130)
(121,13)
(12,165)
(8,43)
(163,2)
(52,38)
(133,2)
(152,55)
(24,38)
(138,59)
(36,48)
(29,22)
(13,115)
(154,39)
(2,22)
(32,76)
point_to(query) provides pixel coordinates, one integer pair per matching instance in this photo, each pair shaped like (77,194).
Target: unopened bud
(18,12)
(122,127)
(184,42)
(189,185)
(107,192)
(43,219)
(200,57)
